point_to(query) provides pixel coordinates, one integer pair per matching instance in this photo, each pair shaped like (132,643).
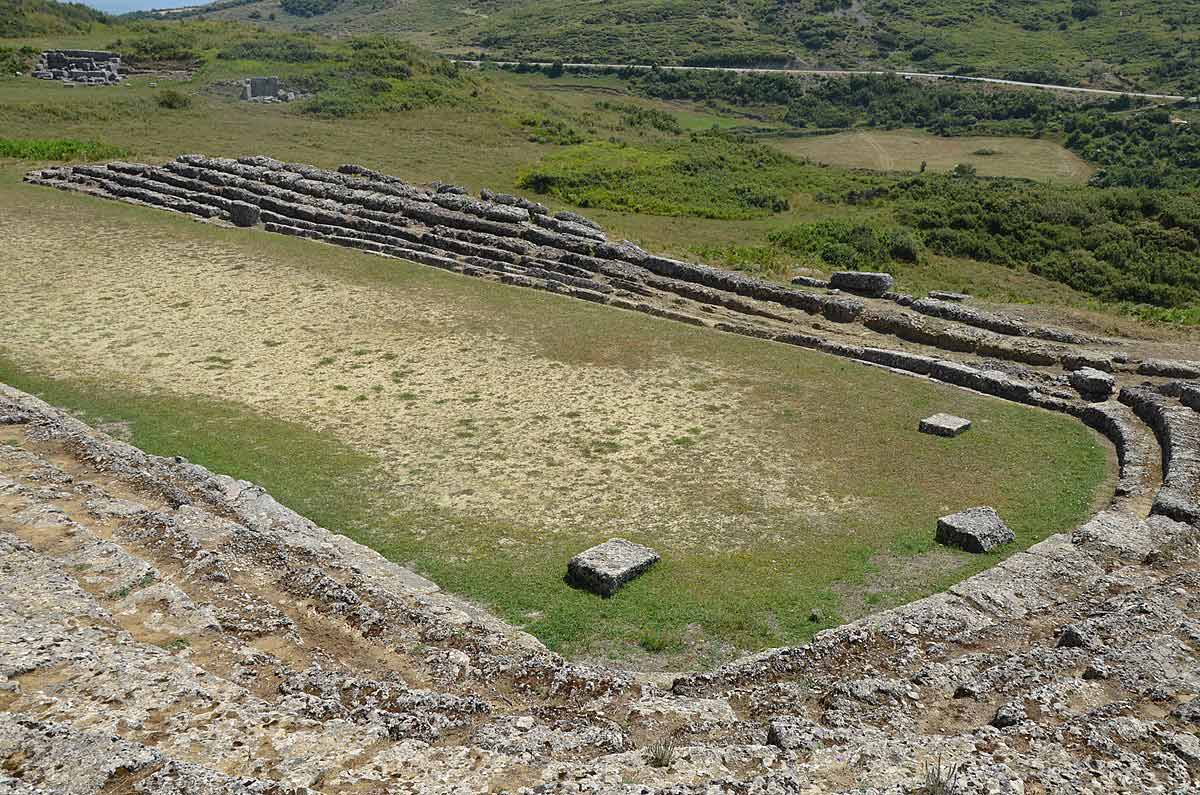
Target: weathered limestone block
(944,425)
(808,281)
(1178,432)
(576,218)
(244,214)
(942,295)
(841,309)
(606,567)
(863,282)
(1093,384)
(992,321)
(974,530)
(1169,368)
(794,733)
(1188,394)
(1097,361)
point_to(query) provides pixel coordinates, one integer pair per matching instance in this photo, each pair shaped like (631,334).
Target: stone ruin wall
(82,67)
(1070,667)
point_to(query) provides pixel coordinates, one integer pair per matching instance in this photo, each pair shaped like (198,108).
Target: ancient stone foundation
(267,89)
(83,67)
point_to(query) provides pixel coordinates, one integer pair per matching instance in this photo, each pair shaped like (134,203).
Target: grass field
(905,150)
(485,434)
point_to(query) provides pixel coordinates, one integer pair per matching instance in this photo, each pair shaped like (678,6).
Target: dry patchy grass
(486,433)
(904,150)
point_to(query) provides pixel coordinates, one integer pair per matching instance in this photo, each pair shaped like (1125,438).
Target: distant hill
(45,18)
(1115,43)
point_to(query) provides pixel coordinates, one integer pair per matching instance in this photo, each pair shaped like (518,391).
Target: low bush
(307,8)
(283,49)
(158,46)
(845,245)
(173,100)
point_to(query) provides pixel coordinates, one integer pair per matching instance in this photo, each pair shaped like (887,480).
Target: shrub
(940,780)
(173,100)
(16,59)
(284,49)
(41,17)
(846,245)
(307,8)
(159,46)
(661,753)
(708,175)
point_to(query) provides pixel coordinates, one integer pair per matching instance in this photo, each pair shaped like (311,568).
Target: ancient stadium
(168,628)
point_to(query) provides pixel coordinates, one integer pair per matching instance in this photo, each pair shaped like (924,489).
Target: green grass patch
(60,149)
(705,175)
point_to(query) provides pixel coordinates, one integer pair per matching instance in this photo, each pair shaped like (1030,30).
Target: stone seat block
(606,567)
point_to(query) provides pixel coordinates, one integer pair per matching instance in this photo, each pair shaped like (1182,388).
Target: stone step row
(1186,393)
(1178,431)
(321,200)
(997,322)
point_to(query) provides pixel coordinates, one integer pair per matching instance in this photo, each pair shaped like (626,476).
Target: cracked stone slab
(974,530)
(606,567)
(944,425)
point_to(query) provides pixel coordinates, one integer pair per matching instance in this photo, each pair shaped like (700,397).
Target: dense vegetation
(1120,245)
(1137,246)
(307,8)
(1124,239)
(1114,43)
(16,60)
(46,18)
(1137,144)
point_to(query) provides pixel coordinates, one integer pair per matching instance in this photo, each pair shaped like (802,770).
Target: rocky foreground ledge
(164,629)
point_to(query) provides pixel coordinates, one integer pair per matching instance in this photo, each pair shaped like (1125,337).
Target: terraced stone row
(1178,431)
(359,208)
(358,204)
(997,322)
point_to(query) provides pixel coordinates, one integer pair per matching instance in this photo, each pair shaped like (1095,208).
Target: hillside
(1115,43)
(41,18)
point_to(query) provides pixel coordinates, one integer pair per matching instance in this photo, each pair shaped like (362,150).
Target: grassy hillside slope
(1117,43)
(43,17)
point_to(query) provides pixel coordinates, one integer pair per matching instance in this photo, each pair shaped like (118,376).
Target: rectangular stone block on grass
(606,567)
(974,530)
(944,425)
